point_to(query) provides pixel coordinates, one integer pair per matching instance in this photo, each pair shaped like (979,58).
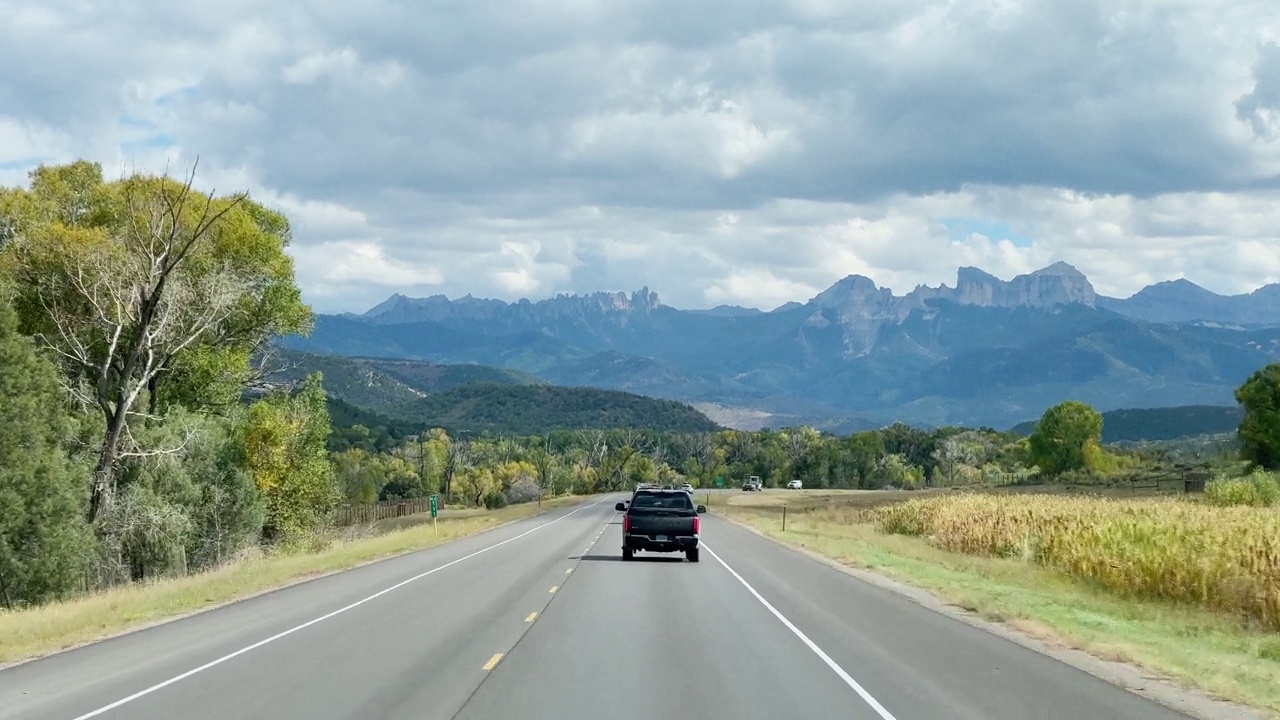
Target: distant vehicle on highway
(661,521)
(795,485)
(687,488)
(752,484)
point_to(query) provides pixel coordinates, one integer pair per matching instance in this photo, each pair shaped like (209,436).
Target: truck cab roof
(662,499)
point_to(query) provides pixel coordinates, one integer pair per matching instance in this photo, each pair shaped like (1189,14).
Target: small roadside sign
(720,481)
(435,510)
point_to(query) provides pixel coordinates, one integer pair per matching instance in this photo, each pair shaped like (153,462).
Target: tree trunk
(104,472)
(153,399)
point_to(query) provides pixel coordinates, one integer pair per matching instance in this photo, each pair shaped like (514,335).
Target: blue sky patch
(962,227)
(26,163)
(151,142)
(135,122)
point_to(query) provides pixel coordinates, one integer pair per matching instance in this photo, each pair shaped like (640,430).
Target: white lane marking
(309,623)
(848,679)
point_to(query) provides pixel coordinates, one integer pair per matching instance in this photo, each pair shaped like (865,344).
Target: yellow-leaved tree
(285,438)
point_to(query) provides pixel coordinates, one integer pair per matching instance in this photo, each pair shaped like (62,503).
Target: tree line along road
(542,619)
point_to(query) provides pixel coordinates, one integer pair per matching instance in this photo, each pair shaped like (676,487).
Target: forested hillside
(476,399)
(384,385)
(1143,424)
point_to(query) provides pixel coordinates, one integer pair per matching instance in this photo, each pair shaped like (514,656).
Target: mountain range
(985,352)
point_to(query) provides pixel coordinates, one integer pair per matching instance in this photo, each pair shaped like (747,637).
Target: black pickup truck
(661,521)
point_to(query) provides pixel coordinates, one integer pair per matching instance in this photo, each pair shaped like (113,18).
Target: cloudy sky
(749,152)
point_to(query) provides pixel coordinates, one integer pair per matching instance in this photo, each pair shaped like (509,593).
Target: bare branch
(132,449)
(266,367)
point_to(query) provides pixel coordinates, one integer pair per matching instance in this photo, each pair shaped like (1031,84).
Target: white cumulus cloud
(750,153)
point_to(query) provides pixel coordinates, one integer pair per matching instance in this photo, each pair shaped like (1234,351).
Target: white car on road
(795,485)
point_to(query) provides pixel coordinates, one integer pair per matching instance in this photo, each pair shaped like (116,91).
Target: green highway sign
(434,509)
(719,481)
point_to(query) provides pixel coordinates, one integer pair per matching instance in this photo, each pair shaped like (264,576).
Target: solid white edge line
(309,623)
(846,677)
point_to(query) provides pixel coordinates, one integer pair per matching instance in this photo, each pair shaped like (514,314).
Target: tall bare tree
(124,280)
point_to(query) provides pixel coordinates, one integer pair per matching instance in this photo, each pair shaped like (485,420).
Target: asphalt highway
(542,619)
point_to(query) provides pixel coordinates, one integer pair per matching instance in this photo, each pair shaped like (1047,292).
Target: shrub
(1259,489)
(523,490)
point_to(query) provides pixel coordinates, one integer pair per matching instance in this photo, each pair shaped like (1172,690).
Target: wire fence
(365,514)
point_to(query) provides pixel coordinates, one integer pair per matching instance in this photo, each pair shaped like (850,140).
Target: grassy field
(49,628)
(972,552)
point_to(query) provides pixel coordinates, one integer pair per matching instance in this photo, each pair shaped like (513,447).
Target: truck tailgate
(658,522)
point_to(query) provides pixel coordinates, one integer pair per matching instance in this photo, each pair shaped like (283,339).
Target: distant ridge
(984,352)
(477,399)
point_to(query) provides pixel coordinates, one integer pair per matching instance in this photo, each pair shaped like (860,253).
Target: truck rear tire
(692,554)
(628,553)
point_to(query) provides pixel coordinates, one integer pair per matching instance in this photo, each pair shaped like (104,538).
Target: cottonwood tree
(965,449)
(1067,437)
(143,286)
(616,460)
(1259,430)
(799,444)
(285,447)
(547,464)
(457,456)
(705,456)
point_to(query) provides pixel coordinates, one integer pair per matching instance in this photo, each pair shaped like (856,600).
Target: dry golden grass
(816,499)
(41,630)
(1223,558)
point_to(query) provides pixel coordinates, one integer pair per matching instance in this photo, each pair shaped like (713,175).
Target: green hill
(1166,423)
(535,410)
(386,386)
(393,398)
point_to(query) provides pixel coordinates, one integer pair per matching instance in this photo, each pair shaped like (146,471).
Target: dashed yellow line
(493,662)
(554,588)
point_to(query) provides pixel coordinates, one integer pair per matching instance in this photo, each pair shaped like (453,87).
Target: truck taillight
(697,525)
(626,523)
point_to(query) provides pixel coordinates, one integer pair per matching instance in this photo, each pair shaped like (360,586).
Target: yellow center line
(531,617)
(493,661)
(554,588)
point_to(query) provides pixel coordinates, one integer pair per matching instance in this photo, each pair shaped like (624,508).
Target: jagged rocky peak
(400,308)
(975,286)
(1056,284)
(643,300)
(1060,283)
(389,305)
(853,291)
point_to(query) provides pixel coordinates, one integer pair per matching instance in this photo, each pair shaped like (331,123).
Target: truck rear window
(675,501)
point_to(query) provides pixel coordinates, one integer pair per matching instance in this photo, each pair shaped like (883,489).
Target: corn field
(1224,558)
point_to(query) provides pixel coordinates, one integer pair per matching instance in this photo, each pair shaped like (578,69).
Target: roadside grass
(33,632)
(1218,653)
